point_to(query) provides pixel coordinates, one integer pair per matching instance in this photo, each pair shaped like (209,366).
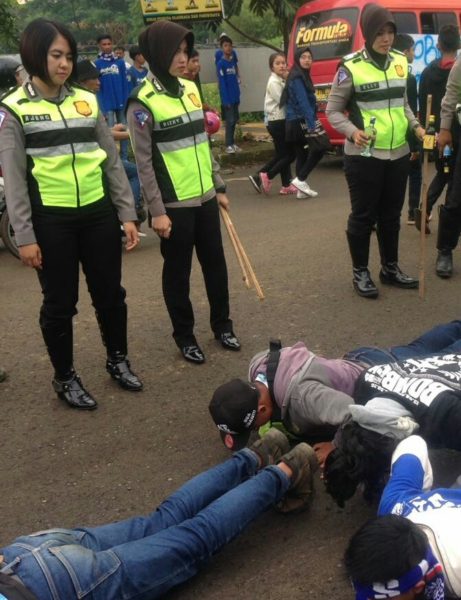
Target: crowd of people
(363,420)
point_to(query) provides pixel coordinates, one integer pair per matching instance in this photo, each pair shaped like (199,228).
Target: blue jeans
(442,339)
(118,116)
(231,116)
(143,557)
(133,179)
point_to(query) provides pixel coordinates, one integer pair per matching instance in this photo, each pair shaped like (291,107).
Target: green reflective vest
(380,94)
(181,154)
(63,156)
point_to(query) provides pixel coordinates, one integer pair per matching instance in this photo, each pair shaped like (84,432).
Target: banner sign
(181,10)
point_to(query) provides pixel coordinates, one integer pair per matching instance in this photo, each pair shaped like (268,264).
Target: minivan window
(432,22)
(406,22)
(328,33)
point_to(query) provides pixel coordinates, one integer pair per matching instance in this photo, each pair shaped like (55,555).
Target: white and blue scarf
(429,570)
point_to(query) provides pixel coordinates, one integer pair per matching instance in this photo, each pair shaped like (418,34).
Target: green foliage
(8,28)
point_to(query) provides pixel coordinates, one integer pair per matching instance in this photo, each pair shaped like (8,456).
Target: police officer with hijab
(371,83)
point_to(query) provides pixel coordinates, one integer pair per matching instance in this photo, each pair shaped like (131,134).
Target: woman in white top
(275,117)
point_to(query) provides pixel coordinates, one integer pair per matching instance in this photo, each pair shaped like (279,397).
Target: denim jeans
(133,179)
(442,339)
(143,557)
(118,116)
(231,116)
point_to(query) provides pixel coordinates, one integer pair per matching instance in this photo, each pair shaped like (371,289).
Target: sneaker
(236,148)
(411,217)
(301,196)
(271,447)
(265,182)
(303,187)
(255,181)
(303,462)
(286,190)
(230,150)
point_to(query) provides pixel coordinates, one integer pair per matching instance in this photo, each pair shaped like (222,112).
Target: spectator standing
(406,44)
(113,94)
(137,71)
(275,117)
(119,52)
(192,71)
(219,52)
(377,183)
(229,90)
(301,118)
(434,81)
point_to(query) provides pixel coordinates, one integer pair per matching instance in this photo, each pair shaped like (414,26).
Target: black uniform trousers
(450,213)
(89,235)
(197,227)
(377,192)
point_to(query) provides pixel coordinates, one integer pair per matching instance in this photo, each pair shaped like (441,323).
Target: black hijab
(375,17)
(158,44)
(297,71)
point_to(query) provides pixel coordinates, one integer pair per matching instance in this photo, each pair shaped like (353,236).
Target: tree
(283,11)
(8,29)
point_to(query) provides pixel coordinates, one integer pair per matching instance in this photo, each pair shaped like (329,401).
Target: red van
(331,29)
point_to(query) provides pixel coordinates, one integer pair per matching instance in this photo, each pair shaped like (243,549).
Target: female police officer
(371,83)
(66,191)
(180,184)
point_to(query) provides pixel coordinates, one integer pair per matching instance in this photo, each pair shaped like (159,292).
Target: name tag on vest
(33,118)
(171,122)
(366,87)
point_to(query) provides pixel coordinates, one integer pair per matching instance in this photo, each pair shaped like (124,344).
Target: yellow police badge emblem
(399,70)
(195,101)
(83,108)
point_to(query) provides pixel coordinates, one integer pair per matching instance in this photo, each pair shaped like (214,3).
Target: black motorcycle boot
(359,247)
(444,264)
(447,240)
(73,393)
(363,283)
(392,274)
(118,367)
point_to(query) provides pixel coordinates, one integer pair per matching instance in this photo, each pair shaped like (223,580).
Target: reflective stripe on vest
(380,94)
(181,154)
(64,157)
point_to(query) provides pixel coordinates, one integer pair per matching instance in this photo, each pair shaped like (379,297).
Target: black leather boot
(391,274)
(72,391)
(363,283)
(444,264)
(118,367)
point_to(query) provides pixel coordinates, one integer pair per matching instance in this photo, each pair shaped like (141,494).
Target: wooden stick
(424,188)
(245,276)
(241,251)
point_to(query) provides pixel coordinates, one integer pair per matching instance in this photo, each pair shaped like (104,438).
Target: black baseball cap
(86,69)
(234,407)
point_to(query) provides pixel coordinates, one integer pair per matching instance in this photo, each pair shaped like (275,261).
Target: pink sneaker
(286,190)
(265,182)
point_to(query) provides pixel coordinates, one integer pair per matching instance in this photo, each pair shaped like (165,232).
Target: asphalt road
(61,467)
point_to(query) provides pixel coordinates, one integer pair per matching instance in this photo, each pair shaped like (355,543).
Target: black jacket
(433,81)
(430,388)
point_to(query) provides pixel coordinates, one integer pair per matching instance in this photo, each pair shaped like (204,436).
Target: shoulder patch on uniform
(3,115)
(342,75)
(141,117)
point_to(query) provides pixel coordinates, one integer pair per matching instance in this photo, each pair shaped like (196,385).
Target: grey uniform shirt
(452,96)
(13,159)
(338,101)
(140,125)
